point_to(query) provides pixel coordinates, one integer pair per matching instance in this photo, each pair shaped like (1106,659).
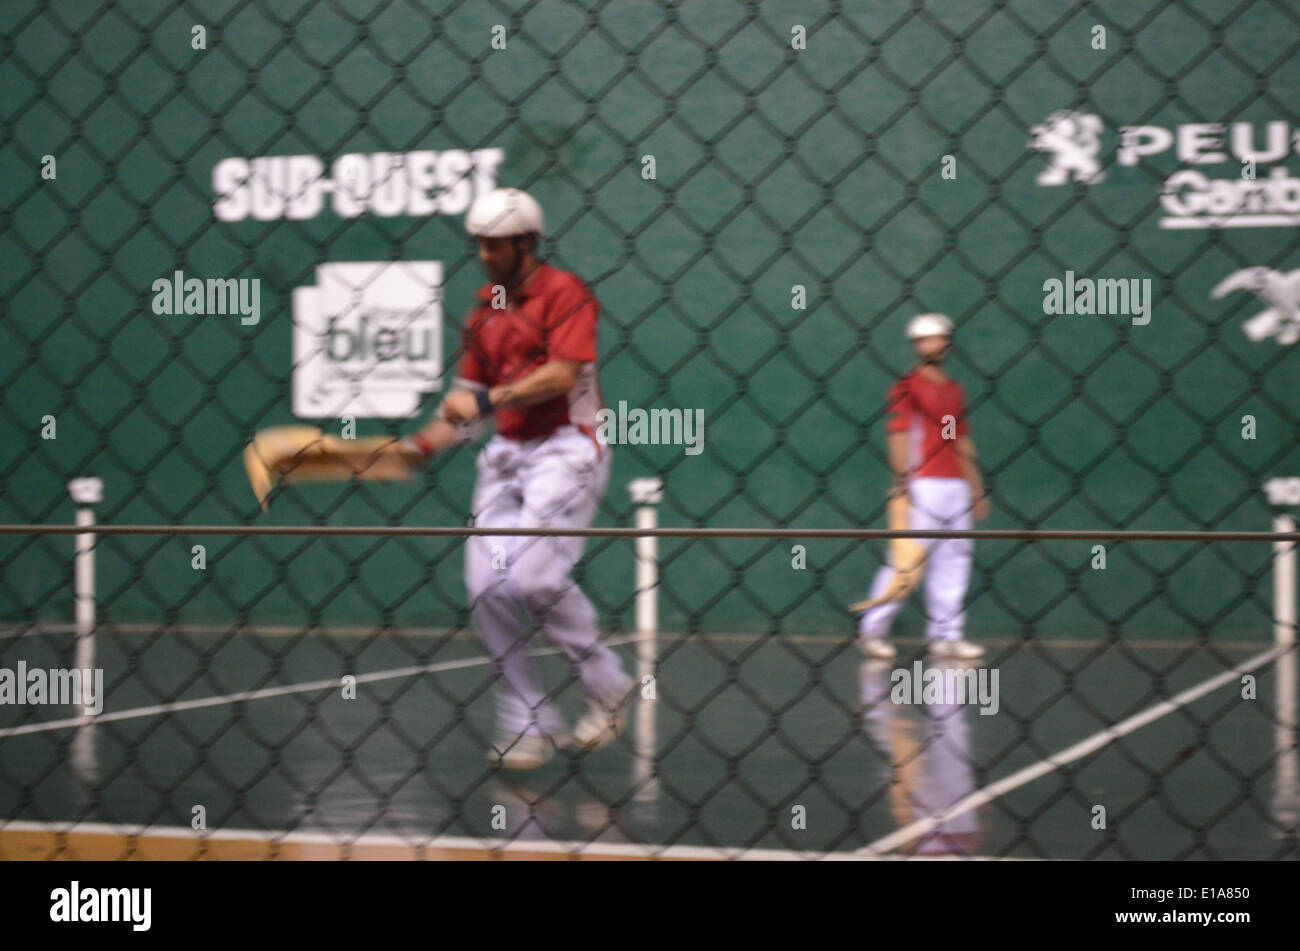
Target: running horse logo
(1072,141)
(1280,291)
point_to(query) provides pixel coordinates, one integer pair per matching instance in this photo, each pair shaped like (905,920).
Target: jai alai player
(529,354)
(933,459)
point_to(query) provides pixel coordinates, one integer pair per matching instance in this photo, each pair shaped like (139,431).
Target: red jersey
(553,317)
(918,406)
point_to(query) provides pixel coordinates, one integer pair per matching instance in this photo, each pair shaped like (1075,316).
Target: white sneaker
(877,648)
(604,720)
(955,650)
(523,752)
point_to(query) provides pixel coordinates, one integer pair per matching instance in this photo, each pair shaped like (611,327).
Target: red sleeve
(571,324)
(471,367)
(900,408)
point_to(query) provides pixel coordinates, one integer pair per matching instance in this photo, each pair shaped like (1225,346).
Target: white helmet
(929,325)
(504,213)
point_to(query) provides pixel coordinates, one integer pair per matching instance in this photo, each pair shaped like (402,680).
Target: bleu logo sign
(367,339)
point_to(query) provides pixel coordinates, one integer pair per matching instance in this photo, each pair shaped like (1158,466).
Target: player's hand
(460,406)
(982,508)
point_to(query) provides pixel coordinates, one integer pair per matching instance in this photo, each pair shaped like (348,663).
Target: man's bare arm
(433,437)
(896,445)
(970,470)
(549,380)
(546,382)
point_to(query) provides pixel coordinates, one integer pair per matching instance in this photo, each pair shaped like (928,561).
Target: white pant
(930,763)
(555,482)
(936,504)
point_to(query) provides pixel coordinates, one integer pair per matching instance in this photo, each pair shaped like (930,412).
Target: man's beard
(935,359)
(507,277)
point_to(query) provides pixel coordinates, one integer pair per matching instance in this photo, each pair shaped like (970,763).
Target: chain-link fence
(1102,196)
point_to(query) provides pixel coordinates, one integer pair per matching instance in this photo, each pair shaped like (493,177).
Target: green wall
(774,167)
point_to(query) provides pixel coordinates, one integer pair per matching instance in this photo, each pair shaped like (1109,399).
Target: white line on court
(1069,755)
(264,693)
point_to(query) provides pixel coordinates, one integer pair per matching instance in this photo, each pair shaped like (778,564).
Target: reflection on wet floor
(926,755)
(743,733)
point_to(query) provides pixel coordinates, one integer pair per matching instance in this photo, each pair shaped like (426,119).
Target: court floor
(234,745)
